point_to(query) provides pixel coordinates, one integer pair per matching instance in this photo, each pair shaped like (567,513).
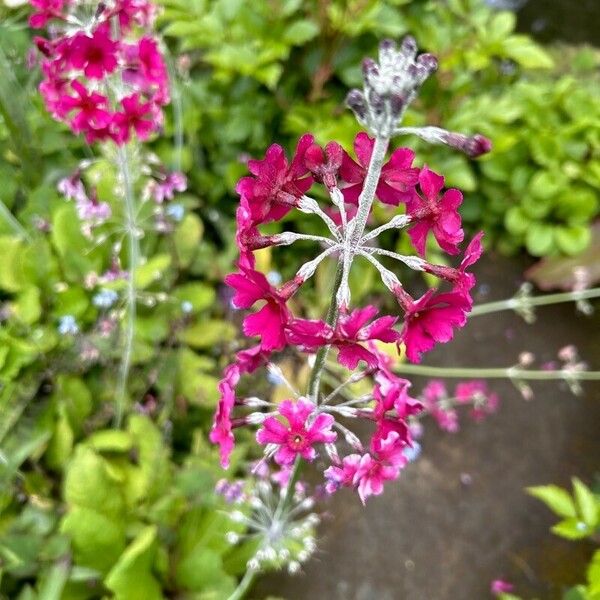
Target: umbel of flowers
(101,77)
(303,426)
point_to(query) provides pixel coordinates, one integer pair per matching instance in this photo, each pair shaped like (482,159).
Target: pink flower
(431,320)
(146,69)
(338,476)
(221,432)
(300,434)
(439,216)
(499,586)
(435,398)
(45,10)
(96,55)
(136,116)
(383,465)
(92,114)
(270,321)
(398,176)
(275,186)
(391,393)
(165,188)
(350,331)
(324,165)
(465,281)
(141,12)
(476,393)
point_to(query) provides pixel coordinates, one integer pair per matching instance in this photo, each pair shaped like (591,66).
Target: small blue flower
(412,452)
(105,298)
(274,278)
(176,211)
(187,307)
(67,325)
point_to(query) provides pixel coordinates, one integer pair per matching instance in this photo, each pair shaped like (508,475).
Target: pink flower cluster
(101,78)
(296,427)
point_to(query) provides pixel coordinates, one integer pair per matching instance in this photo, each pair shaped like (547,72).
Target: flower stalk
(133,246)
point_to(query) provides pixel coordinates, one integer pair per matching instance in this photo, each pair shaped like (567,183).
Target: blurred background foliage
(87,511)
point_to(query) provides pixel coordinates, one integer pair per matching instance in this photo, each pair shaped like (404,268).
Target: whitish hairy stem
(413,262)
(356,228)
(12,222)
(513,373)
(352,379)
(338,200)
(130,298)
(310,206)
(432,135)
(285,238)
(515,303)
(398,222)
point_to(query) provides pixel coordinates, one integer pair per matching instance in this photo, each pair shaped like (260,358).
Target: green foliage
(580,519)
(262,72)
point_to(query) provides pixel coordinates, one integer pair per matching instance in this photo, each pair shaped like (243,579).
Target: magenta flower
(45,10)
(221,432)
(431,320)
(146,69)
(92,114)
(435,397)
(270,321)
(96,55)
(465,281)
(391,393)
(342,475)
(135,116)
(350,331)
(324,164)
(438,215)
(300,435)
(499,586)
(275,186)
(141,12)
(398,176)
(383,465)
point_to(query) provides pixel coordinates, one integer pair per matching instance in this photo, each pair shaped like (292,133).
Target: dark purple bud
(356,102)
(369,67)
(427,62)
(397,103)
(377,103)
(100,9)
(387,45)
(477,145)
(408,46)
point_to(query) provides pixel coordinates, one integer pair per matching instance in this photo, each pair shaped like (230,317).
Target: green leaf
(187,236)
(573,239)
(200,295)
(131,577)
(27,306)
(110,440)
(526,52)
(593,574)
(587,504)
(300,32)
(95,518)
(571,529)
(540,239)
(152,270)
(11,277)
(207,333)
(556,498)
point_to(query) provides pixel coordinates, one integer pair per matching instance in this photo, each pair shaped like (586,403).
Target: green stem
(314,381)
(513,373)
(515,303)
(244,585)
(131,293)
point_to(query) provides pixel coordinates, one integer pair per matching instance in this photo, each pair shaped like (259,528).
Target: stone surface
(433,537)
